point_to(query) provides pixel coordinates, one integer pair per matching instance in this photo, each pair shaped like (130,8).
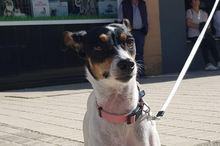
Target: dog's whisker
(141,66)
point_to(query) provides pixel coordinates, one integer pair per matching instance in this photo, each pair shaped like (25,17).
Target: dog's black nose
(126,65)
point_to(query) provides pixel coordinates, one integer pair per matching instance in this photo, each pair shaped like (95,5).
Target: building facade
(31,39)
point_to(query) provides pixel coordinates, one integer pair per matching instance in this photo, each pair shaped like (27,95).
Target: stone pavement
(52,116)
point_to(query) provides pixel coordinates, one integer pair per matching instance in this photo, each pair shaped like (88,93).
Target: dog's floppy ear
(74,40)
(125,22)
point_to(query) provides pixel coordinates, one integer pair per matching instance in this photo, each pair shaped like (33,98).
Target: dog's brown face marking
(103,37)
(123,37)
(100,70)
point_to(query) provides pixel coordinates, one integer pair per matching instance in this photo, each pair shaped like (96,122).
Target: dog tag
(141,93)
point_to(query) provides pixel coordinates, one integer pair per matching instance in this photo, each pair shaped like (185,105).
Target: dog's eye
(98,48)
(130,43)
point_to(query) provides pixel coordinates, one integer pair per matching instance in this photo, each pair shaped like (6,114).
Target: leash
(186,65)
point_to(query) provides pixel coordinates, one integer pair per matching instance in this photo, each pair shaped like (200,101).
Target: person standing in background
(194,18)
(217,22)
(136,12)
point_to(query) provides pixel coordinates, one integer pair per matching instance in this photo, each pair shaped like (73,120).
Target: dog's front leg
(154,139)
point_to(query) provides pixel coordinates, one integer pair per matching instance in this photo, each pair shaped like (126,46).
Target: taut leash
(186,65)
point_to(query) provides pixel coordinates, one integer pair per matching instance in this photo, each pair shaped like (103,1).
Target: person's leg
(214,51)
(205,51)
(139,43)
(204,46)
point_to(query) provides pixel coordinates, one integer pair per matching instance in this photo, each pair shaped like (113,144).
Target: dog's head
(109,50)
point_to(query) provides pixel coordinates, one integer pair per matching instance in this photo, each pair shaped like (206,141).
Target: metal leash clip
(151,117)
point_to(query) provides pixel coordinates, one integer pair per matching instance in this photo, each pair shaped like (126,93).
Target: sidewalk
(52,116)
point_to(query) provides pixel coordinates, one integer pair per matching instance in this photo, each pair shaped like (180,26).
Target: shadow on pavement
(173,77)
(146,80)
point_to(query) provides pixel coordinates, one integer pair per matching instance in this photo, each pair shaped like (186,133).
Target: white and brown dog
(116,115)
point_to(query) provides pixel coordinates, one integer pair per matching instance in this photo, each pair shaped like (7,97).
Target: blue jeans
(139,37)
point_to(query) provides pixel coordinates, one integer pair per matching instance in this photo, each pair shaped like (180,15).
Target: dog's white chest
(104,133)
(110,134)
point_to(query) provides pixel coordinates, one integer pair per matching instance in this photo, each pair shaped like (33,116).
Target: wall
(152,48)
(173,35)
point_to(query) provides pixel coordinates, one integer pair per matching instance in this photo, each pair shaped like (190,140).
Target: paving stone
(3,142)
(52,116)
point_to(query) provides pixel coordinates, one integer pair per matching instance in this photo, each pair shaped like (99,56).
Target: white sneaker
(210,67)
